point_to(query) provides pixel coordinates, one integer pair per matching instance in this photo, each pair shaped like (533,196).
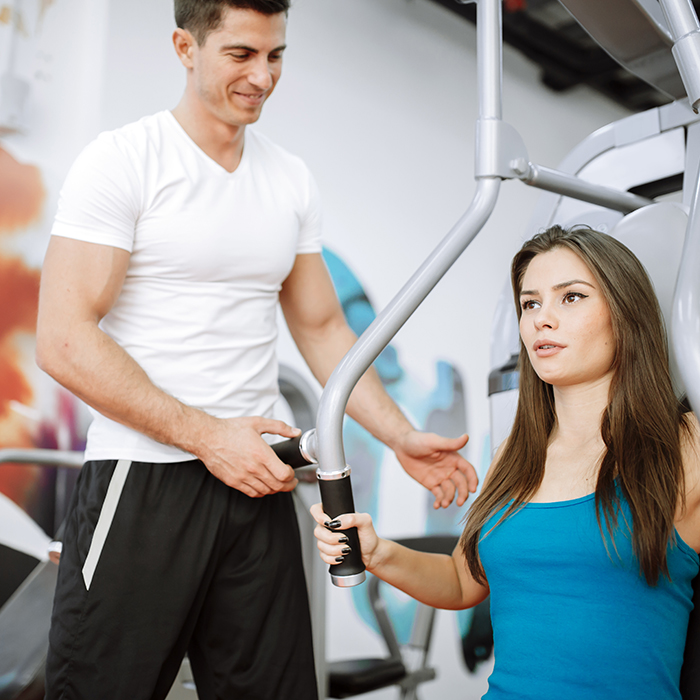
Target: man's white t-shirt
(209,252)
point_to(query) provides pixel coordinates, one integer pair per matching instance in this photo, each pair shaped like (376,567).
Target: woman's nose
(546,318)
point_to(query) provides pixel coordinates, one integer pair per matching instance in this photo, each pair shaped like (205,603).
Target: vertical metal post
(685,323)
(685,30)
(333,472)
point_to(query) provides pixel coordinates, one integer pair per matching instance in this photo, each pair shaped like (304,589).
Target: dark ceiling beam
(567,56)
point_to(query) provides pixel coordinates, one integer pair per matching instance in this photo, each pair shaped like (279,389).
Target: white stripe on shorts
(104,522)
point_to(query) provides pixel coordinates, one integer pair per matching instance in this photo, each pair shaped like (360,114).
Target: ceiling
(545,32)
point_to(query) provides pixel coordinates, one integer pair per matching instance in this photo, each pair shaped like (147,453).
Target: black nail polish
(340,560)
(343,540)
(346,550)
(332,524)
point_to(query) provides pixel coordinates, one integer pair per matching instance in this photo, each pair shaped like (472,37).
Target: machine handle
(336,494)
(296,451)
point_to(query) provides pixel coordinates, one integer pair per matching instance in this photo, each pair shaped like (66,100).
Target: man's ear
(184,43)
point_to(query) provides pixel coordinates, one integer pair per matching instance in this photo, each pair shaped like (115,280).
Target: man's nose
(261,73)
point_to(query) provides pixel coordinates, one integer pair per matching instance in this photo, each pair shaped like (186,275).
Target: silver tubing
(329,421)
(57,458)
(333,476)
(489,57)
(685,321)
(685,29)
(680,16)
(570,186)
(348,581)
(334,399)
(307,446)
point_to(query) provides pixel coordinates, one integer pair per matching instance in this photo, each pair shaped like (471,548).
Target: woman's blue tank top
(574,621)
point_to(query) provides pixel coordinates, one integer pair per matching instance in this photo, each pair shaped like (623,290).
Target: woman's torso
(575,619)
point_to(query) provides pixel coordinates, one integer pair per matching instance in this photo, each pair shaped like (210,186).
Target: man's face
(239,64)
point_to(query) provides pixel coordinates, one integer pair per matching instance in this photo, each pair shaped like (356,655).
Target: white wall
(378,96)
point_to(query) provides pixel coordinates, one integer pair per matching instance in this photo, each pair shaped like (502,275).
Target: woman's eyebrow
(561,285)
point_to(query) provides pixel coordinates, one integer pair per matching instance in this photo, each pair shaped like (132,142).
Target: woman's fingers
(333,546)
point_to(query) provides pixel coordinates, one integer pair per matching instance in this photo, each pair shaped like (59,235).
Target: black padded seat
(357,676)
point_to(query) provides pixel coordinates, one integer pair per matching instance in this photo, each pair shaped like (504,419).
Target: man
(174,240)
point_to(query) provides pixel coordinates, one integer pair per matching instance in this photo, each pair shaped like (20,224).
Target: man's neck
(222,142)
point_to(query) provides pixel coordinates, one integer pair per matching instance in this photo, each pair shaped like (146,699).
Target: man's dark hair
(200,17)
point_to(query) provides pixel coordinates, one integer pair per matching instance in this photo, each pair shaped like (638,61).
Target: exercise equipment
(501,154)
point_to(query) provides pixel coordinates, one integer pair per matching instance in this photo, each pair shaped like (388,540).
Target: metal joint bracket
(686,51)
(333,475)
(498,145)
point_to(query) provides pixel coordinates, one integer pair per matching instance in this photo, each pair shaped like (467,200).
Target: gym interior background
(378,96)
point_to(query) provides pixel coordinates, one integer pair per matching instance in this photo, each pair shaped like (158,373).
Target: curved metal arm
(329,421)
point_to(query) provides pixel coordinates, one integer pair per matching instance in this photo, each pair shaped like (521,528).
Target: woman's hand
(333,544)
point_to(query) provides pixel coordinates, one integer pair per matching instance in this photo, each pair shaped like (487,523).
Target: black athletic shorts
(160,560)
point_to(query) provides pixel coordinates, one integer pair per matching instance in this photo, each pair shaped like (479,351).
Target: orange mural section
(22,194)
(22,198)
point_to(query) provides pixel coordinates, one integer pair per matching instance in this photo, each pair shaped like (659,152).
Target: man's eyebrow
(561,285)
(250,49)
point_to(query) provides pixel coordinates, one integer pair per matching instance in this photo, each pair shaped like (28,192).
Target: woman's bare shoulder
(688,522)
(690,451)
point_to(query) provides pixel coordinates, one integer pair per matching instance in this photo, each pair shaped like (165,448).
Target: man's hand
(434,462)
(237,455)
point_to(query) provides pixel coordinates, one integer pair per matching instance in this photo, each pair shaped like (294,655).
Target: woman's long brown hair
(641,426)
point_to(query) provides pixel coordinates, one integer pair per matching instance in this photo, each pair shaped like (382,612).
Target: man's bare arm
(80,282)
(317,324)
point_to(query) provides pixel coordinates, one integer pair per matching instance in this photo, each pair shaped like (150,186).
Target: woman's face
(565,322)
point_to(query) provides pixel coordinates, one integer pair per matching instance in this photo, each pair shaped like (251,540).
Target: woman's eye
(572,297)
(529,304)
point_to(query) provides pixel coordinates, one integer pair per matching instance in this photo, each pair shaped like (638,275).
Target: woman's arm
(434,579)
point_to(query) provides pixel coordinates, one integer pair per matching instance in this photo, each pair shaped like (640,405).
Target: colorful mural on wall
(21,205)
(34,412)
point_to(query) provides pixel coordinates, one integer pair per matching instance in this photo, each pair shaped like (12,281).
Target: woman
(587,528)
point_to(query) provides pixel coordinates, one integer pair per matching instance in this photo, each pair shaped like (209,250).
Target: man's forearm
(98,371)
(369,403)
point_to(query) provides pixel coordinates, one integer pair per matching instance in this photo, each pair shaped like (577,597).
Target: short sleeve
(310,224)
(100,199)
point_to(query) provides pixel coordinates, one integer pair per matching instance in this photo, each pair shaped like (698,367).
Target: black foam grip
(336,495)
(288,451)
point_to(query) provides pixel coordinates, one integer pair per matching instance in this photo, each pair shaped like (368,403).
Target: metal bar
(685,321)
(56,458)
(335,396)
(555,181)
(685,29)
